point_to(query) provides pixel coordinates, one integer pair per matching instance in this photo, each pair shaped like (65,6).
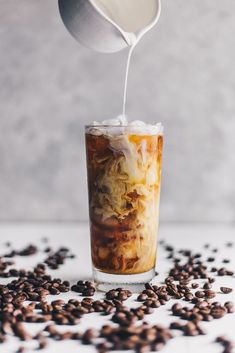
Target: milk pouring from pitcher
(109,25)
(123,158)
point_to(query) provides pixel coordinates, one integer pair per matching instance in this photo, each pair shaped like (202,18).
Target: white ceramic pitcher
(107,29)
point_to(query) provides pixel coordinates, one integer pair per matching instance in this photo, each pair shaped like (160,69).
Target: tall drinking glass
(124,174)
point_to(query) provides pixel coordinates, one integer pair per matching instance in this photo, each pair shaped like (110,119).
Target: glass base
(135,283)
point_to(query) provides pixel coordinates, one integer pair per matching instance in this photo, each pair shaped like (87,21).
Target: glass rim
(118,126)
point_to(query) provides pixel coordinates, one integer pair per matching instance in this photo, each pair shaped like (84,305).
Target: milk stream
(126,79)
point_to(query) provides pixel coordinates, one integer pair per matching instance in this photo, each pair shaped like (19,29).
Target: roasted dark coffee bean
(177,307)
(142,297)
(20,331)
(207,285)
(57,302)
(88,292)
(226,344)
(42,343)
(218,312)
(155,304)
(188,297)
(75,302)
(211,279)
(229,307)
(190,329)
(148,286)
(210,259)
(226,290)
(200,294)
(102,347)
(169,248)
(88,336)
(209,294)
(54,291)
(207,317)
(213,269)
(176,326)
(195,285)
(148,310)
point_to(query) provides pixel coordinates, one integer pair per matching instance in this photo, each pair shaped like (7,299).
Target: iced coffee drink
(124,174)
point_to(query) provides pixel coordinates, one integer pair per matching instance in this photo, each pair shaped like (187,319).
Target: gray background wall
(182,74)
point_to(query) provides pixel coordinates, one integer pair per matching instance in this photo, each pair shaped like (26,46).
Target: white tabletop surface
(76,237)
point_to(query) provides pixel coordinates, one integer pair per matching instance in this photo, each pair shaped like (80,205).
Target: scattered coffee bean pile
(142,338)
(56,259)
(118,294)
(203,311)
(24,299)
(85,288)
(27,251)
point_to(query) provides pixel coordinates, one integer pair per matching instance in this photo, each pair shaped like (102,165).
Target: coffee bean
(226,344)
(209,294)
(226,290)
(54,291)
(142,297)
(229,307)
(42,343)
(211,279)
(188,296)
(59,302)
(207,317)
(213,269)
(195,285)
(148,286)
(89,292)
(176,326)
(102,347)
(207,286)
(218,312)
(20,331)
(177,307)
(88,336)
(210,259)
